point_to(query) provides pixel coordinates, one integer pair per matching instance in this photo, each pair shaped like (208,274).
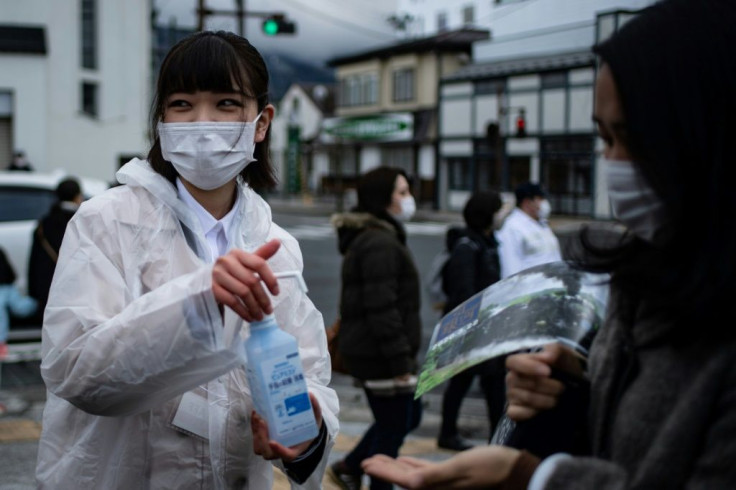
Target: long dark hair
(375,189)
(213,61)
(479,210)
(675,71)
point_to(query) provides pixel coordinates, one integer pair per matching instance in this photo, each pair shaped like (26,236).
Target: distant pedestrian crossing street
(324,231)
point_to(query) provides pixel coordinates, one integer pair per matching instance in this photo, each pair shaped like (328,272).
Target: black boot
(453,443)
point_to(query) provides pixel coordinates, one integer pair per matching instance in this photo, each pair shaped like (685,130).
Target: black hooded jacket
(380,329)
(473,265)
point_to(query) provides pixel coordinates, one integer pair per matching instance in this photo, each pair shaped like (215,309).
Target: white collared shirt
(215,231)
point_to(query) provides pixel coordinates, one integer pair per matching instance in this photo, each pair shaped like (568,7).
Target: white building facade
(295,128)
(75,83)
(537,71)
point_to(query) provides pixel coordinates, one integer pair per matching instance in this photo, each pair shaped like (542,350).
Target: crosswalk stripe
(426,228)
(319,232)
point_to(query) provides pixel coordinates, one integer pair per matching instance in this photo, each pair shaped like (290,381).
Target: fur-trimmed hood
(351,224)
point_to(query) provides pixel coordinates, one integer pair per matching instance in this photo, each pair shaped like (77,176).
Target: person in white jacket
(525,239)
(156,280)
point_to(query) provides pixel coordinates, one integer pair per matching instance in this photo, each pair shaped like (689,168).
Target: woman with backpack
(473,265)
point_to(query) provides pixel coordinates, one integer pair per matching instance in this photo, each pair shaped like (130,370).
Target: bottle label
(285,394)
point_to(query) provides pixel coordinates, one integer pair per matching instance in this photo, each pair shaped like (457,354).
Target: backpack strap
(46,245)
(468,241)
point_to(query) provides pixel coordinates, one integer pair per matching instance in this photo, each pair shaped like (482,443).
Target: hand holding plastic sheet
(548,303)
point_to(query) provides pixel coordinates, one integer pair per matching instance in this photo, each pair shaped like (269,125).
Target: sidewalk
(326,206)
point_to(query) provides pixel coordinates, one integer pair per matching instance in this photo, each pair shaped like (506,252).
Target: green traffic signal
(270,27)
(276,25)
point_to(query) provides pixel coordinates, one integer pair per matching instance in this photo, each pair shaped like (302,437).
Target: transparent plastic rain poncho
(132,324)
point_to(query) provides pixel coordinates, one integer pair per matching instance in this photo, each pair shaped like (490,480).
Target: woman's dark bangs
(213,68)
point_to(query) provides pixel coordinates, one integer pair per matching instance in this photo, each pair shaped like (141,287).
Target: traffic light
(276,25)
(521,124)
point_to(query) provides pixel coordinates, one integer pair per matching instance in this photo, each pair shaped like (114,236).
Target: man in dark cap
(525,239)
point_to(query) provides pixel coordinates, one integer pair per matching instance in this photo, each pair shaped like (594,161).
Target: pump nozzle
(293,275)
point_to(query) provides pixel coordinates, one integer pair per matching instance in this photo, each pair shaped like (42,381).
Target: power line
(340,22)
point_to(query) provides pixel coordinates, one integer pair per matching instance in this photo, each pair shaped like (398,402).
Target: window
(468,15)
(460,176)
(609,22)
(89,99)
(89,34)
(442,21)
(369,89)
(24,203)
(403,85)
(485,87)
(6,103)
(401,157)
(359,90)
(554,79)
(567,173)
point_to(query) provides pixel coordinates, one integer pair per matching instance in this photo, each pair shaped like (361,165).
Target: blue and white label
(281,392)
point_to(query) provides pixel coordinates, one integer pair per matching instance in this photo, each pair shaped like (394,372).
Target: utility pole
(502,129)
(200,15)
(203,11)
(240,13)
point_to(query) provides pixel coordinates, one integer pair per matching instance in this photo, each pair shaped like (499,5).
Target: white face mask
(208,154)
(498,220)
(634,203)
(545,208)
(408,208)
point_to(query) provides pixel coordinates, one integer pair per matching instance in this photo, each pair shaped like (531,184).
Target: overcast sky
(325,28)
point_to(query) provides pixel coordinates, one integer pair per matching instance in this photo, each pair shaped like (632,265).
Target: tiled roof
(459,40)
(522,65)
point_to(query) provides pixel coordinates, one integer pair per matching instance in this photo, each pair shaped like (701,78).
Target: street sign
(381,127)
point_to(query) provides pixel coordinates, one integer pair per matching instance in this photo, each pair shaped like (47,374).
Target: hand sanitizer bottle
(276,380)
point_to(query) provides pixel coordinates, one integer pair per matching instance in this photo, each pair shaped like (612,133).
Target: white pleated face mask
(208,154)
(634,203)
(545,209)
(408,208)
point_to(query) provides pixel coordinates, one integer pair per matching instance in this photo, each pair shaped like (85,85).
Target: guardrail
(24,344)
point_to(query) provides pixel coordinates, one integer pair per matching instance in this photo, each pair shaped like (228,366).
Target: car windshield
(24,203)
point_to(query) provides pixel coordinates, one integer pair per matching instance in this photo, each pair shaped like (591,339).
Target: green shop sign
(383,127)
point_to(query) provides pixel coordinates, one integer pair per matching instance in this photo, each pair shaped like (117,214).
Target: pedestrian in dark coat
(47,239)
(380,329)
(473,266)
